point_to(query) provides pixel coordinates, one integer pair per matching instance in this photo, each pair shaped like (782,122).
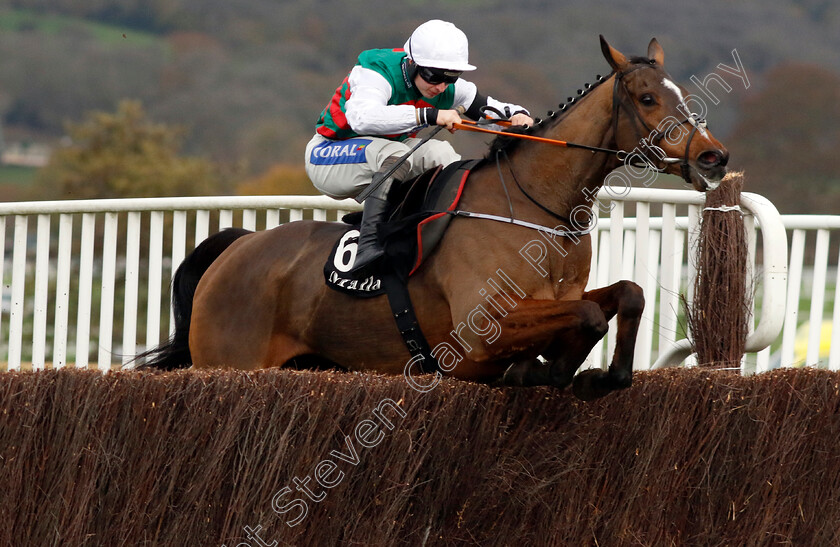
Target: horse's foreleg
(573,328)
(625,300)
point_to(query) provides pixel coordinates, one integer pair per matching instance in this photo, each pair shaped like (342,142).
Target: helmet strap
(409,72)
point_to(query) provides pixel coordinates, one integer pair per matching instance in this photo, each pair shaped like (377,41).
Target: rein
(623,156)
(655,135)
(469,125)
(521,189)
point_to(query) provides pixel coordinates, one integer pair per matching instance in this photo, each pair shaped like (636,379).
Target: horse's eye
(647,100)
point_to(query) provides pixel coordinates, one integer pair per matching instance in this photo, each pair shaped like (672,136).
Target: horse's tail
(175,352)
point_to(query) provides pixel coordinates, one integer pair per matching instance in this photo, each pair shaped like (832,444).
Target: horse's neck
(562,179)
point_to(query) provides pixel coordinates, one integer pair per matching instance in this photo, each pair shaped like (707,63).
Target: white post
(132,285)
(797,257)
(272,218)
(249,219)
(202,226)
(106,302)
(62,290)
(18,292)
(155,266)
(641,360)
(669,281)
(42,277)
(83,317)
(225,219)
(817,298)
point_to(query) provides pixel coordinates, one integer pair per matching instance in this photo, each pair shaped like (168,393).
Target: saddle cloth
(416,227)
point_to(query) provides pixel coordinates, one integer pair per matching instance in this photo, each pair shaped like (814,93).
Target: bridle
(647,154)
(649,144)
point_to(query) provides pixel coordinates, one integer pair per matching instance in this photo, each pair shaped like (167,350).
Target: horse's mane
(508,144)
(504,143)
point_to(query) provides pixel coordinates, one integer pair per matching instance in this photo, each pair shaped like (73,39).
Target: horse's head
(652,118)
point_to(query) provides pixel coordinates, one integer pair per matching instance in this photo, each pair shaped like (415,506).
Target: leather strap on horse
(655,135)
(403,311)
(622,155)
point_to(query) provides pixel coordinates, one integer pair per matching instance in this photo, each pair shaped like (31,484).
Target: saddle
(416,226)
(409,237)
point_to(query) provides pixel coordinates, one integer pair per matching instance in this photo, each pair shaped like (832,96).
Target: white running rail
(107,267)
(679,234)
(84,264)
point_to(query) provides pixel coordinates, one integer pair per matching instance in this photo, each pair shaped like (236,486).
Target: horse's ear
(656,52)
(615,58)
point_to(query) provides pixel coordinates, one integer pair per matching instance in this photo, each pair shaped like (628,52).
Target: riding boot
(375,210)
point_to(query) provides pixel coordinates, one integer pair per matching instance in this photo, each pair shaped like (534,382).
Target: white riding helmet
(438,44)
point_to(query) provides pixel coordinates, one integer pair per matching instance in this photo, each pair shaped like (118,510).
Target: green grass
(24,20)
(16,175)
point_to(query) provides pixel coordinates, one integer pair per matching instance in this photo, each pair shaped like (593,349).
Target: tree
(125,155)
(280,179)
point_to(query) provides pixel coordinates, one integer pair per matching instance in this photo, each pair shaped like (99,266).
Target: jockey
(371,120)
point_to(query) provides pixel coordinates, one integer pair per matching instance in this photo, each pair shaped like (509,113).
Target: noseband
(649,144)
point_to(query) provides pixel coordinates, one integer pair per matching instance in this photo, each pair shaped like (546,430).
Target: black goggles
(437,76)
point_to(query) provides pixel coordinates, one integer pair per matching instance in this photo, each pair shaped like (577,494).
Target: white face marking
(675,88)
(684,107)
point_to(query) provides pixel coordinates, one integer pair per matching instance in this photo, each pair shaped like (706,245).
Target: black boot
(376,209)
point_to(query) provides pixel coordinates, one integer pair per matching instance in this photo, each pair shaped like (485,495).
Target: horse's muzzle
(710,168)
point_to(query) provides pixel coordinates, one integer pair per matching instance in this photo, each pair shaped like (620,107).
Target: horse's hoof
(591,384)
(595,383)
(512,376)
(525,374)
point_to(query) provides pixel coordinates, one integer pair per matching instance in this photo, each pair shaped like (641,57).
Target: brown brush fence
(719,314)
(685,457)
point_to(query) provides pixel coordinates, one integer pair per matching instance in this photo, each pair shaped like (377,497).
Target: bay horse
(491,316)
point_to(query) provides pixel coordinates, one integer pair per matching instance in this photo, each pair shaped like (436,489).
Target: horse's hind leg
(625,300)
(584,326)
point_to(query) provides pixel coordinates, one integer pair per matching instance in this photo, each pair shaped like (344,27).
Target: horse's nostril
(713,158)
